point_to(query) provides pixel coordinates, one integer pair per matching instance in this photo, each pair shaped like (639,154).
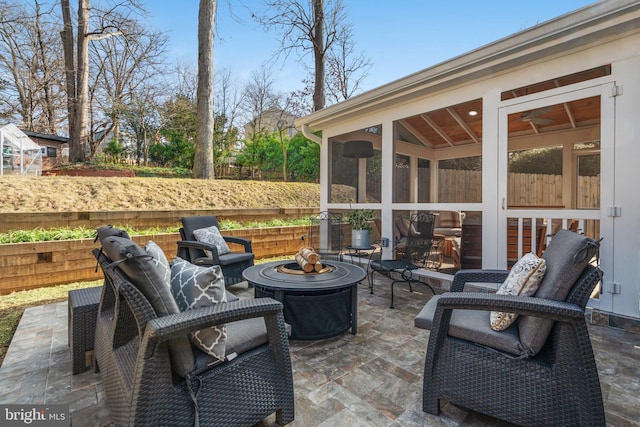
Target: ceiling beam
(416,133)
(437,128)
(463,124)
(567,109)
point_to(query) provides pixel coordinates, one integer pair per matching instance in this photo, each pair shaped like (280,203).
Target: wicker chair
(232,263)
(133,350)
(467,363)
(415,255)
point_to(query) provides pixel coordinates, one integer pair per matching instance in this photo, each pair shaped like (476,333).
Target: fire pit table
(317,305)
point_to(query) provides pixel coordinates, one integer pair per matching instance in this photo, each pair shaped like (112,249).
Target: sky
(400,37)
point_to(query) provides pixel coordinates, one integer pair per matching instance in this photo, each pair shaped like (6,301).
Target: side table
(83,313)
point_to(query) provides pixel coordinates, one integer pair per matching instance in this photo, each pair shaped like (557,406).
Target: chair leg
(392,285)
(371,282)
(430,404)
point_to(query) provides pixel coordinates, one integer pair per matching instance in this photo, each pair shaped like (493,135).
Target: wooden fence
(455,186)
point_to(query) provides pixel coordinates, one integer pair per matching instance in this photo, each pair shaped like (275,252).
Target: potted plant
(360,227)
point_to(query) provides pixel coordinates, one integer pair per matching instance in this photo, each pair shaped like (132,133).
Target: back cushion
(150,273)
(402,225)
(446,219)
(566,257)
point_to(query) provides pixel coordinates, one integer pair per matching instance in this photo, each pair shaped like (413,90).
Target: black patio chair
(540,371)
(415,255)
(192,250)
(152,373)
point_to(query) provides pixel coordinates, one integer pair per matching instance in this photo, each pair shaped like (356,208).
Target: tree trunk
(70,74)
(79,134)
(318,54)
(203,162)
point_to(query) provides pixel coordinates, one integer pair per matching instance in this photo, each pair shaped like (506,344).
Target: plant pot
(360,239)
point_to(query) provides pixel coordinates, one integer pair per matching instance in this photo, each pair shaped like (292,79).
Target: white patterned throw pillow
(212,236)
(159,260)
(194,286)
(524,279)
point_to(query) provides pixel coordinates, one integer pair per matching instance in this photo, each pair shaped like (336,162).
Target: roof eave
(573,30)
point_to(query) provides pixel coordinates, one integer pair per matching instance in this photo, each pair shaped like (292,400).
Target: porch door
(534,199)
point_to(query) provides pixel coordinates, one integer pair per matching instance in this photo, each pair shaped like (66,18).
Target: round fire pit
(317,305)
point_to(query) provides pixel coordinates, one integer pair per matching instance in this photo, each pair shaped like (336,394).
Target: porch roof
(585,27)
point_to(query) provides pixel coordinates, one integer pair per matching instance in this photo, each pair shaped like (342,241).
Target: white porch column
(361,197)
(386,197)
(491,184)
(569,179)
(433,173)
(413,179)
(325,173)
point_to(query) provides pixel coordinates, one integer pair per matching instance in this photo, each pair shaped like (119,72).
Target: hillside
(68,194)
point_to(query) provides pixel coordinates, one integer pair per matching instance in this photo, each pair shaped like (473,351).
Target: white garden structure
(19,155)
(571,83)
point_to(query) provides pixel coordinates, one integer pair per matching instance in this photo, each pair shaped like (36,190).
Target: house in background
(446,138)
(55,149)
(271,120)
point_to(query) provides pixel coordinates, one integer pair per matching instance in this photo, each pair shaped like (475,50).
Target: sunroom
(522,137)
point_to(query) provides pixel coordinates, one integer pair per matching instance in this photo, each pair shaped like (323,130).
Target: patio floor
(371,379)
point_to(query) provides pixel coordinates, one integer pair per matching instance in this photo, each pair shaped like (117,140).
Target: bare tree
(186,83)
(141,117)
(31,62)
(107,24)
(203,162)
(317,27)
(346,69)
(120,67)
(259,98)
(229,98)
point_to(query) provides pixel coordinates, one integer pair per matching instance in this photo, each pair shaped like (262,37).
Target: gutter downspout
(307,134)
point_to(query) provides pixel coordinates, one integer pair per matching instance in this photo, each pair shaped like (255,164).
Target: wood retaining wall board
(138,219)
(34,265)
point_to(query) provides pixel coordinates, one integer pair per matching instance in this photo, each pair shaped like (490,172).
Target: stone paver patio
(371,379)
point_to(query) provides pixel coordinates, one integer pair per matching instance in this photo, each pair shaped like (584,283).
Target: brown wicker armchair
(232,263)
(153,376)
(538,372)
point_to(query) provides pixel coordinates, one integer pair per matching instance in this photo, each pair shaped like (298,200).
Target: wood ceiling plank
(437,128)
(463,124)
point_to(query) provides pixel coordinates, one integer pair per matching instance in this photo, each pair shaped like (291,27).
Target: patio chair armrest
(239,241)
(179,324)
(193,244)
(484,276)
(531,306)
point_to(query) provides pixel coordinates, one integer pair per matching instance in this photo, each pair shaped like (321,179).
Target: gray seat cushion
(242,336)
(227,259)
(473,325)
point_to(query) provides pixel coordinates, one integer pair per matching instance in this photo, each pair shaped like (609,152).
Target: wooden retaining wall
(138,219)
(41,264)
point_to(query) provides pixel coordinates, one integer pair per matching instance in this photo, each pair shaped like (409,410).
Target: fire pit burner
(294,268)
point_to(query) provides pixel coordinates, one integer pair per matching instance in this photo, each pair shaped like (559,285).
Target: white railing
(582,221)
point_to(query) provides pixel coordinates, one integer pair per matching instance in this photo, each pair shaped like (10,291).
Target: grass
(12,307)
(66,233)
